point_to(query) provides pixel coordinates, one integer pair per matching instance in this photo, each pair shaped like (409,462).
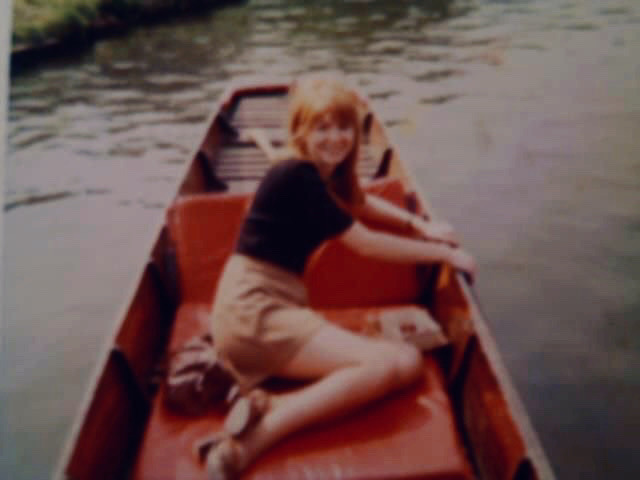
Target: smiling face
(324,129)
(329,141)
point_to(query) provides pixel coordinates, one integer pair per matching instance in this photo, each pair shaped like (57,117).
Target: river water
(520,120)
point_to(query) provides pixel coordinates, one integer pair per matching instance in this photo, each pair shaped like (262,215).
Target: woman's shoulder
(293,168)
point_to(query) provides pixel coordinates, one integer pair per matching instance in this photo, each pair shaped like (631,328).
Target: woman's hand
(463,261)
(435,231)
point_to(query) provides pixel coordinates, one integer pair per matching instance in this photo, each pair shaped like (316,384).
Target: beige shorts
(260,319)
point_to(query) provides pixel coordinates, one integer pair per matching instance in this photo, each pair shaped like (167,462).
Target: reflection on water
(519,119)
(125,94)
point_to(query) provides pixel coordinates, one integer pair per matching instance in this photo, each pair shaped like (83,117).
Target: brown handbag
(196,380)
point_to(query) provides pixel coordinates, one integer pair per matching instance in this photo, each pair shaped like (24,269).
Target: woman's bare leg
(353,370)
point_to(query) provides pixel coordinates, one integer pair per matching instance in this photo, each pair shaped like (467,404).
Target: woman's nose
(335,135)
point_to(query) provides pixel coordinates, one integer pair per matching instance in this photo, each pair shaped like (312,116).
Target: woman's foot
(246,412)
(223,451)
(226,460)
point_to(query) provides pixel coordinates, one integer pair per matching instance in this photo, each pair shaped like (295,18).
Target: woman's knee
(396,365)
(381,365)
(408,364)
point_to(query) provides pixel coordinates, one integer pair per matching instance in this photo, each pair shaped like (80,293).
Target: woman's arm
(380,210)
(399,249)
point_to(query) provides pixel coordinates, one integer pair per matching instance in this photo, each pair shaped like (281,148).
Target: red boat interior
(411,434)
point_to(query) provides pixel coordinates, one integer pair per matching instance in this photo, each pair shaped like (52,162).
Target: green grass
(37,20)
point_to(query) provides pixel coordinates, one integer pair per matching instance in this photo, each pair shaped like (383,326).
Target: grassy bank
(39,21)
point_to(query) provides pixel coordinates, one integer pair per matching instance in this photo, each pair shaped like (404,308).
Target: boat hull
(110,431)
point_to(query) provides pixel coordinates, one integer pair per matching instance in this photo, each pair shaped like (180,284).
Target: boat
(463,421)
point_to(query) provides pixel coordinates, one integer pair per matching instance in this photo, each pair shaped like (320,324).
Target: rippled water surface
(519,119)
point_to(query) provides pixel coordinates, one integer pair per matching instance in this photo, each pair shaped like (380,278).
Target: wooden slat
(233,156)
(241,171)
(260,111)
(253,178)
(242,185)
(255,166)
(252,169)
(278,115)
(261,103)
(250,152)
(254,123)
(263,163)
(248,114)
(278,136)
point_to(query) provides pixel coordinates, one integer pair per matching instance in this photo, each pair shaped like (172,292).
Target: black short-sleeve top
(291,215)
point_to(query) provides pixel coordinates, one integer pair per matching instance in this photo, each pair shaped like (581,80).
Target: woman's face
(329,142)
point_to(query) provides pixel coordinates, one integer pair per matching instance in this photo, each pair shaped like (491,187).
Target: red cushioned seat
(204,228)
(409,434)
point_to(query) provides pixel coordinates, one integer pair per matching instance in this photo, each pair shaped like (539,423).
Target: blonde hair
(311,98)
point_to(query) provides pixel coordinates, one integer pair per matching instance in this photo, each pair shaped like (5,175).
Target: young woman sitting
(261,323)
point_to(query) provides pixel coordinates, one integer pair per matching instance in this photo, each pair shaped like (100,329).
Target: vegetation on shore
(38,21)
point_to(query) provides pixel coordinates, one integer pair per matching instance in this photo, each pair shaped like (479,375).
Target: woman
(260,322)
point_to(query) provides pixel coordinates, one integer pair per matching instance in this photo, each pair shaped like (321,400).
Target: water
(519,119)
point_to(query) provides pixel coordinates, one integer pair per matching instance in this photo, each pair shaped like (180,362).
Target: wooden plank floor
(242,165)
